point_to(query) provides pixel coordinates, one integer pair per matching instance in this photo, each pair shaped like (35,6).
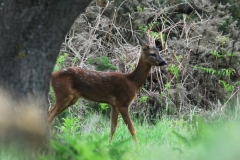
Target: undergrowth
(172,139)
(168,139)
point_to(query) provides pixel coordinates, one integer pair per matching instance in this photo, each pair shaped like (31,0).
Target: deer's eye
(152,54)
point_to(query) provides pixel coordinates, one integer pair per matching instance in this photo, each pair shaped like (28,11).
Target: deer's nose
(163,63)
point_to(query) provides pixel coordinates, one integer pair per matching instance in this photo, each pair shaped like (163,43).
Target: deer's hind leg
(60,105)
(114,121)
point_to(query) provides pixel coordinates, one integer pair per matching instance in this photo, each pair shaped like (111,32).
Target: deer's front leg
(127,119)
(114,120)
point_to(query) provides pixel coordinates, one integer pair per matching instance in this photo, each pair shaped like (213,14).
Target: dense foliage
(199,39)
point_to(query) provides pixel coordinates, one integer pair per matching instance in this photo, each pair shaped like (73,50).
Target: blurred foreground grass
(168,139)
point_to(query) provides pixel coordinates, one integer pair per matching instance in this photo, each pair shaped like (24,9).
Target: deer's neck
(139,75)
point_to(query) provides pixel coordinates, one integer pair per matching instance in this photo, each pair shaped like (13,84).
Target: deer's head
(150,53)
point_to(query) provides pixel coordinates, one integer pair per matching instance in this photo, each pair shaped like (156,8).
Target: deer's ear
(144,41)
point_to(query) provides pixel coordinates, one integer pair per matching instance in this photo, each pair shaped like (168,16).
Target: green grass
(168,139)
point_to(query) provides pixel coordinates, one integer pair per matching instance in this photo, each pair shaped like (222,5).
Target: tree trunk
(31,33)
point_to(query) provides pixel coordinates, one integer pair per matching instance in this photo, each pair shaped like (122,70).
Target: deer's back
(97,86)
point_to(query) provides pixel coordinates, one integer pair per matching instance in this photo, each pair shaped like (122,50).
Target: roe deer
(116,89)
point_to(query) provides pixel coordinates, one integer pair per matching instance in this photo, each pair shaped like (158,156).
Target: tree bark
(31,33)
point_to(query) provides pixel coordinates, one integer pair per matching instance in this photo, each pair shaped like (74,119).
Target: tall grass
(168,139)
(171,139)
